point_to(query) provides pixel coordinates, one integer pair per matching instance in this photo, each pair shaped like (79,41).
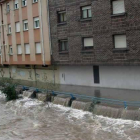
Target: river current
(28,119)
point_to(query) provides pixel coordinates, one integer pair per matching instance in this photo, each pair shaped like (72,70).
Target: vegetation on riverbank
(8,88)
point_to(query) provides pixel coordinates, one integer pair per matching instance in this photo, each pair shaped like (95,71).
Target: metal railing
(123,103)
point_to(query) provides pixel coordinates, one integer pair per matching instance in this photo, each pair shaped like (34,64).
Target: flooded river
(28,119)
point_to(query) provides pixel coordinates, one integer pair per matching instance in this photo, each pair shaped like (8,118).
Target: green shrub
(10,92)
(8,88)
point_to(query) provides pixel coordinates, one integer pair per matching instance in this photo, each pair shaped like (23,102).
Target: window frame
(8,5)
(25,49)
(9,29)
(16,27)
(35,23)
(25,22)
(17,49)
(24,2)
(16,5)
(88,47)
(0,50)
(60,45)
(36,47)
(10,48)
(59,16)
(115,45)
(35,1)
(112,9)
(87,12)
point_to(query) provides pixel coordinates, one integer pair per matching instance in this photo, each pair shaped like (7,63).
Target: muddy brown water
(28,119)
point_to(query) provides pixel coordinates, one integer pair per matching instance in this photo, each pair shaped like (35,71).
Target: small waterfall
(29,94)
(107,111)
(42,97)
(62,101)
(86,106)
(131,114)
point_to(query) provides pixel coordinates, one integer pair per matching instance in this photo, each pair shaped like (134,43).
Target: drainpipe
(42,37)
(50,41)
(2,42)
(49,28)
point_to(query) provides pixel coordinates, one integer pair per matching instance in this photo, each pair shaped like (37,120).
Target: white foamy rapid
(36,120)
(2,96)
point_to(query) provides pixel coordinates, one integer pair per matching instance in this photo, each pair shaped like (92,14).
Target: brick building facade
(96,42)
(102,27)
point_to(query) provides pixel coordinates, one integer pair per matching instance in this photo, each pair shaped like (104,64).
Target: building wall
(30,37)
(123,77)
(102,27)
(120,77)
(31,75)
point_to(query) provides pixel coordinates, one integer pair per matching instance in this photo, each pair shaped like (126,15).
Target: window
(27,49)
(19,49)
(17,26)
(38,48)
(0,50)
(16,4)
(10,50)
(34,1)
(86,12)
(8,7)
(63,45)
(118,6)
(88,43)
(62,17)
(120,41)
(24,3)
(25,25)
(36,23)
(9,29)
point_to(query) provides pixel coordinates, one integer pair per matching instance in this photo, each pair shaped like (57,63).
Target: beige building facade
(25,48)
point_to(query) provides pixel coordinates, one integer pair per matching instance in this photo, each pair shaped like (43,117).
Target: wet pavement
(110,93)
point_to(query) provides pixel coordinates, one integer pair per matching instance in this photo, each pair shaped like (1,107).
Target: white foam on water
(32,103)
(2,96)
(118,126)
(73,113)
(27,102)
(109,125)
(116,122)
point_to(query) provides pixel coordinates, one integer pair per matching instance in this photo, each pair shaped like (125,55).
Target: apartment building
(96,42)
(24,40)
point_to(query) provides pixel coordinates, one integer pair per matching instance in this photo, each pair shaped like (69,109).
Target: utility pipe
(49,28)
(42,37)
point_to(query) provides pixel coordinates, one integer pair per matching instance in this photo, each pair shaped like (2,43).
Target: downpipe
(42,37)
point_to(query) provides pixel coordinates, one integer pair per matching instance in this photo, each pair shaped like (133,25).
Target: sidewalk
(110,93)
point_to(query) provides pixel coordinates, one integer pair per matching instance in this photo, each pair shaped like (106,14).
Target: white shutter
(19,50)
(38,48)
(27,49)
(86,7)
(118,6)
(120,41)
(88,42)
(17,26)
(16,1)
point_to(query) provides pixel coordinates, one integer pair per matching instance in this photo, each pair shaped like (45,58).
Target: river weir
(31,119)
